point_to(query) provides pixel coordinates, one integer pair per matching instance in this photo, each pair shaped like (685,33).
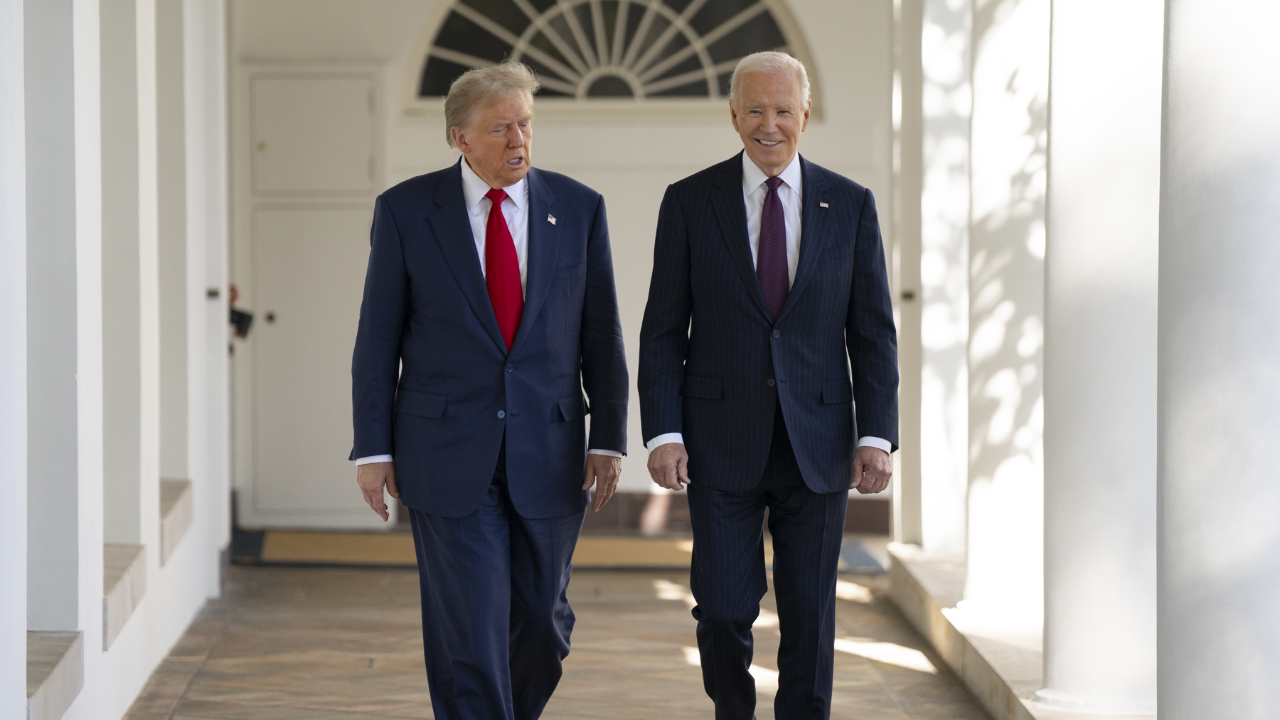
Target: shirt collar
(474,189)
(753,177)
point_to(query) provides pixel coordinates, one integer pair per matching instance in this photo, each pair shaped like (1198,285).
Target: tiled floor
(339,644)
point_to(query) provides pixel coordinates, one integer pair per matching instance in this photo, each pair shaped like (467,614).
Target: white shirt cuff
(373,459)
(610,453)
(663,440)
(878,443)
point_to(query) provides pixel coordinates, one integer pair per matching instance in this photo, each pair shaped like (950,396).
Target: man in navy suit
(489,307)
(768,284)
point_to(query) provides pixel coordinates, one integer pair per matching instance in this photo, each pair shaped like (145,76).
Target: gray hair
(767,62)
(484,86)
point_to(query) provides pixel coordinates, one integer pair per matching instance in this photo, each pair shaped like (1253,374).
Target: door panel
(308,278)
(307,150)
(313,134)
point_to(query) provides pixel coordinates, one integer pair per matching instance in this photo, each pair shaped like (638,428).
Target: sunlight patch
(846,590)
(667,590)
(765,678)
(888,653)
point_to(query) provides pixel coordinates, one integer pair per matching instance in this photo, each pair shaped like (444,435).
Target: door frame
(244,202)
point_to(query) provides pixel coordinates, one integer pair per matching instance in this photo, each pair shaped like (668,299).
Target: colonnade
(107,200)
(1088,258)
(1160,341)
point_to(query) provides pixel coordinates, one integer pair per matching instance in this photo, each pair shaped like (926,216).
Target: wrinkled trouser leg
(495,616)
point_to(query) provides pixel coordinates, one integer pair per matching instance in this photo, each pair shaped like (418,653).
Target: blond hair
(485,86)
(766,62)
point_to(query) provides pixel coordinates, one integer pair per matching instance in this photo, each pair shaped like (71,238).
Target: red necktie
(502,270)
(771,256)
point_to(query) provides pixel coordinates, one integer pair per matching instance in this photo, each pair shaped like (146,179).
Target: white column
(908,169)
(1100,357)
(944,282)
(1006,308)
(13,365)
(52,483)
(1219,363)
(207,260)
(86,32)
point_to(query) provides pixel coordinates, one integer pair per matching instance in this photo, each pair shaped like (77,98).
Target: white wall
(121,269)
(13,364)
(172,239)
(630,160)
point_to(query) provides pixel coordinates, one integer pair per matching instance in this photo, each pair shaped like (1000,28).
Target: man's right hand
(669,466)
(373,477)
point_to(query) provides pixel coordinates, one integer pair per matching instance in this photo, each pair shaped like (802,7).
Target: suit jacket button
(777,334)
(769,382)
(510,367)
(501,414)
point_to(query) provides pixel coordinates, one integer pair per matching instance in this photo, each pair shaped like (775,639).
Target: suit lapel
(731,212)
(813,229)
(543,251)
(452,229)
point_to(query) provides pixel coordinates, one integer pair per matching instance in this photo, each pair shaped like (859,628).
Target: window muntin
(605,49)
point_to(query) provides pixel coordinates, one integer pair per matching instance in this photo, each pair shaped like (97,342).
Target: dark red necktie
(502,270)
(771,256)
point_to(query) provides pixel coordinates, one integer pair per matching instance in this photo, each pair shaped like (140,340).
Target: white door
(311,176)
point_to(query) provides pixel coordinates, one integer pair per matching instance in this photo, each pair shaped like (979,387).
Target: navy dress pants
(495,616)
(728,581)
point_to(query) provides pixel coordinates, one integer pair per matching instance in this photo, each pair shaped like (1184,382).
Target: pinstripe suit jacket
(713,363)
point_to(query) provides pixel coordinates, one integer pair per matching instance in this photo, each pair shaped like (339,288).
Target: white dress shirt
(791,193)
(515,210)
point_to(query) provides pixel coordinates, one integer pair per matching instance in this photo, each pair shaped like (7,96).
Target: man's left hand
(872,470)
(605,469)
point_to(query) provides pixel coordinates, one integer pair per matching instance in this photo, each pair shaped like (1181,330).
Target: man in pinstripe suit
(768,283)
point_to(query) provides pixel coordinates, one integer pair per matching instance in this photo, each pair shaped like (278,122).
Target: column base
(1077,705)
(1000,663)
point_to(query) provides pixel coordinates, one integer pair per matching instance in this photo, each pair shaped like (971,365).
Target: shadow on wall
(947,96)
(1006,314)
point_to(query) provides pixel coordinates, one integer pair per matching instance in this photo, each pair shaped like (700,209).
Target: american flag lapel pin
(822,204)
(551,219)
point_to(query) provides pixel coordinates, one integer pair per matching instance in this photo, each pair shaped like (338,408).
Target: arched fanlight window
(589,49)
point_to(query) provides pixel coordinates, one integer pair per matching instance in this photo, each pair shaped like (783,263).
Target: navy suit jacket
(713,363)
(432,381)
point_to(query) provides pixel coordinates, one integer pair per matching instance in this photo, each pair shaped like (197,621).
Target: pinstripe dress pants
(728,580)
